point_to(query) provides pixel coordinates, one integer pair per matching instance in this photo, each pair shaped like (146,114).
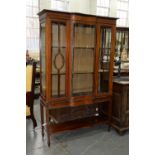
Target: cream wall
(89,6)
(45,4)
(82,6)
(93,4)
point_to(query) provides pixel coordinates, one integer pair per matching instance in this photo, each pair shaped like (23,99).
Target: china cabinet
(76,69)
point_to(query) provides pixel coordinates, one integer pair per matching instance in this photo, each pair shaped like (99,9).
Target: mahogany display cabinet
(76,70)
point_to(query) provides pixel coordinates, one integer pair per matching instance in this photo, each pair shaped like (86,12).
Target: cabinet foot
(109,128)
(48,143)
(42,133)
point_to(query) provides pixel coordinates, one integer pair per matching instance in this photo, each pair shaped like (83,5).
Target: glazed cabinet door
(104,60)
(83,57)
(58,59)
(42,60)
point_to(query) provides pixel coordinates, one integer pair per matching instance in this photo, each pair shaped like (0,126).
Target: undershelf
(80,123)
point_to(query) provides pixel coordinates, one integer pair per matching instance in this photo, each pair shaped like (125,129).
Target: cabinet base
(121,131)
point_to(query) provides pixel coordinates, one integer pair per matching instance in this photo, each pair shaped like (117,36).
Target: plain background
(13,82)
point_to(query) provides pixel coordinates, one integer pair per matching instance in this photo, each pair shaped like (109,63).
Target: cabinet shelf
(102,71)
(83,47)
(79,123)
(105,48)
(58,47)
(82,93)
(83,73)
(73,73)
(58,74)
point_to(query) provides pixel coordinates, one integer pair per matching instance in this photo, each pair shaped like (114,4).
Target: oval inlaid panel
(59,61)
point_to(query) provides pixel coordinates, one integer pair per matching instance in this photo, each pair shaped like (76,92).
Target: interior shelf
(83,73)
(84,47)
(58,47)
(58,74)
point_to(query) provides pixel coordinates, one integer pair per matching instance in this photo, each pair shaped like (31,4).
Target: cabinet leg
(34,121)
(33,118)
(48,143)
(109,128)
(48,127)
(48,136)
(42,119)
(109,115)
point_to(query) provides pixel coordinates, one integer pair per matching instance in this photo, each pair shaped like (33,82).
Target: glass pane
(118,44)
(58,59)
(124,47)
(62,35)
(84,36)
(43,75)
(58,35)
(55,91)
(54,35)
(104,59)
(122,44)
(127,41)
(82,84)
(83,59)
